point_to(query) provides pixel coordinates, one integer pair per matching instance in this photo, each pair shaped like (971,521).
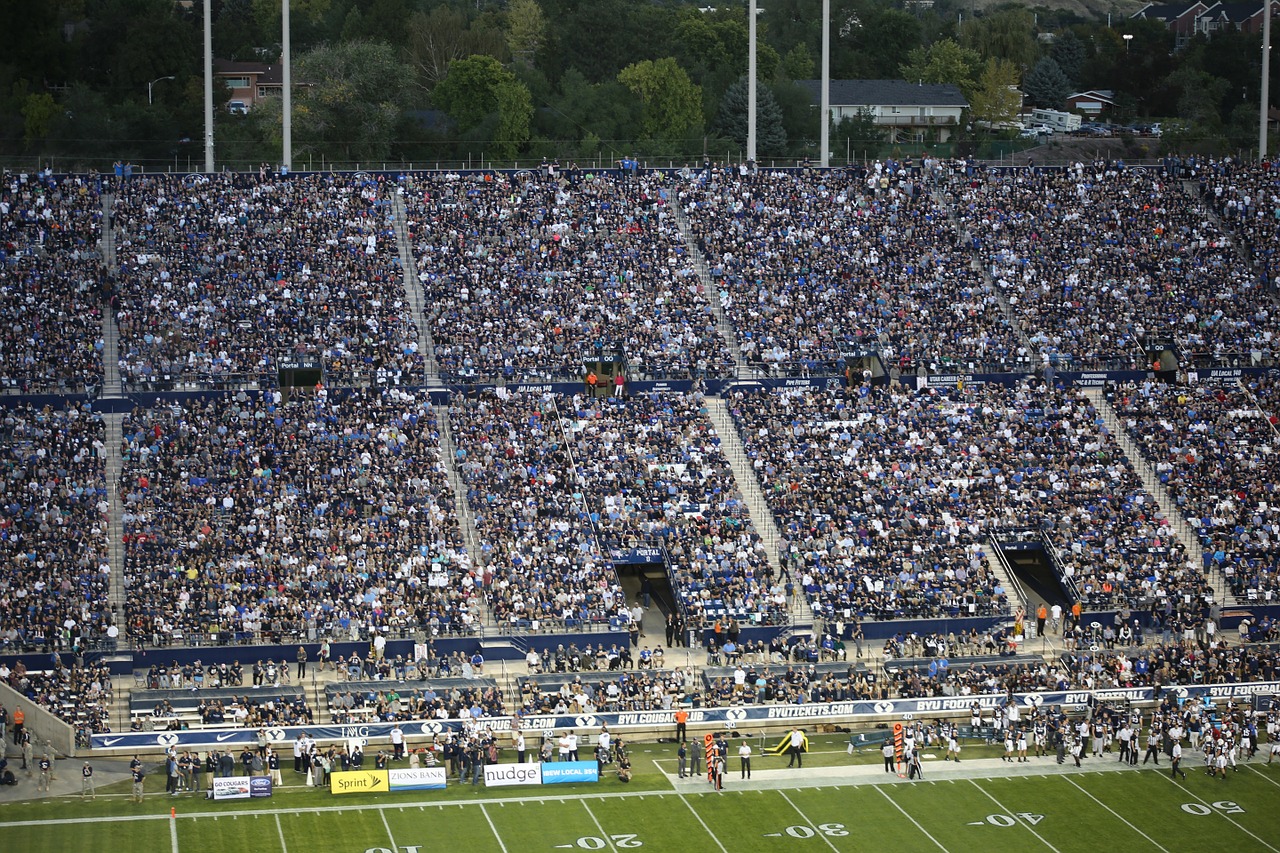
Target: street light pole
(751,82)
(152,83)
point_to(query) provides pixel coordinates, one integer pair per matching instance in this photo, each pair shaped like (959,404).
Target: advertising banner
(232,788)
(359,782)
(422,779)
(561,772)
(739,716)
(505,775)
(259,787)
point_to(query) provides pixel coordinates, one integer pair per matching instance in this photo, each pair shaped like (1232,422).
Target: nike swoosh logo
(111,741)
(227,736)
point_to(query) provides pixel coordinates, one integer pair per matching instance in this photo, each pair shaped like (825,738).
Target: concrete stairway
(413,290)
(710,291)
(111,386)
(1177,521)
(749,485)
(466,518)
(115,513)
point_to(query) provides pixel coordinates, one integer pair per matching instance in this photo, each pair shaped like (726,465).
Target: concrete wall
(43,725)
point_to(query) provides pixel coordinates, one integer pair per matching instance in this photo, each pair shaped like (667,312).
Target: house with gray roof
(908,112)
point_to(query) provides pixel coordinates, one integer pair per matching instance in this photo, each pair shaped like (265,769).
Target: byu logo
(1033,699)
(432,728)
(167,739)
(735,714)
(584,722)
(884,707)
(276,734)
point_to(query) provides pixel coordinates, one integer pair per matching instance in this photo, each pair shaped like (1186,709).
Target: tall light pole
(152,83)
(751,81)
(824,152)
(1128,37)
(287,87)
(208,85)
(1265,107)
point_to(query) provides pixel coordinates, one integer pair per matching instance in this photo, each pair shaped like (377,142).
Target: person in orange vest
(19,718)
(1042,614)
(682,717)
(592,381)
(1076,612)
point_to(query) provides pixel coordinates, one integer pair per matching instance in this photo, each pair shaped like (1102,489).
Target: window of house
(237,82)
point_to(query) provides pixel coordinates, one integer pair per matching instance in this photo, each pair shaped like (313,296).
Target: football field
(837,806)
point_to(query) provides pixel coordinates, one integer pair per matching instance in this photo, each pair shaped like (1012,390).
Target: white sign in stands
(421,779)
(503,775)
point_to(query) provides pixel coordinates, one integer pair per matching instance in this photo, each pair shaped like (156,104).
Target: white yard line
(1157,844)
(1205,802)
(811,824)
(603,834)
(1024,824)
(173,833)
(284,848)
(1263,775)
(688,804)
(489,820)
(910,818)
(382,813)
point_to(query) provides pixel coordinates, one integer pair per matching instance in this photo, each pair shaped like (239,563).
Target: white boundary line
(689,805)
(1263,775)
(812,825)
(1225,817)
(1117,814)
(382,813)
(910,818)
(173,833)
(1023,823)
(489,820)
(284,848)
(596,821)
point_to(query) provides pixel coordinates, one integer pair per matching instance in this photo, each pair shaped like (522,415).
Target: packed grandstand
(800,430)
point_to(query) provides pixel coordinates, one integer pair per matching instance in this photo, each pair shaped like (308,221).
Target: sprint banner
(359,782)
(719,717)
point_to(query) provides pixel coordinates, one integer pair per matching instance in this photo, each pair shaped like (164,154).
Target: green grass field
(1002,807)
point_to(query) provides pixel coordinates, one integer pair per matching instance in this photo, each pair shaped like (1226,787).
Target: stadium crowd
(1247,198)
(221,277)
(1097,259)
(51,284)
(54,571)
(1214,447)
(812,266)
(528,276)
(249,515)
(885,498)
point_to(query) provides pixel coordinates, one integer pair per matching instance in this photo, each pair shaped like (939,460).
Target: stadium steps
(413,288)
(111,387)
(466,519)
(761,516)
(1186,534)
(1192,191)
(947,202)
(711,292)
(107,240)
(114,424)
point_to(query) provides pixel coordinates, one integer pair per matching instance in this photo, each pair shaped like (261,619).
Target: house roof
(1237,13)
(1166,11)
(1107,96)
(268,75)
(883,92)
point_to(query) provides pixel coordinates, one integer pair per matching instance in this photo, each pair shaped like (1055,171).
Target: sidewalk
(66,778)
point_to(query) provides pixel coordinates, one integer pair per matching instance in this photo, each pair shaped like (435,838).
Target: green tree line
(449,80)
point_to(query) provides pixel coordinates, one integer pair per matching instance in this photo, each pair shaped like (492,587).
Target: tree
(878,39)
(352,100)
(797,64)
(944,62)
(479,90)
(38,111)
(1045,85)
(1068,51)
(857,133)
(441,37)
(672,104)
(995,99)
(526,30)
(1008,34)
(731,121)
